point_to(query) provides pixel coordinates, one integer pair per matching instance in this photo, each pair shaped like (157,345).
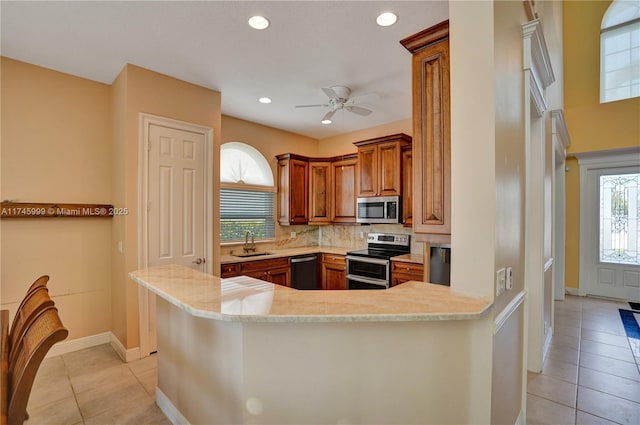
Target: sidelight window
(246,194)
(619,219)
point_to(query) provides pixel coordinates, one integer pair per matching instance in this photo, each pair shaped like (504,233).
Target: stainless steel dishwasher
(304,272)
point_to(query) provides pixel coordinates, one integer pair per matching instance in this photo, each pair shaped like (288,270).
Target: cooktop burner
(384,245)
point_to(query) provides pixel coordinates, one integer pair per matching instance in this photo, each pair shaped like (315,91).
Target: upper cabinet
(343,177)
(320,192)
(431,131)
(293,189)
(380,165)
(407,186)
(316,190)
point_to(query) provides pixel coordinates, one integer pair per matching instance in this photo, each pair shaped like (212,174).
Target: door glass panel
(619,217)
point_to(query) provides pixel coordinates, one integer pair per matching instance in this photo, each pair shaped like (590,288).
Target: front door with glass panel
(613,256)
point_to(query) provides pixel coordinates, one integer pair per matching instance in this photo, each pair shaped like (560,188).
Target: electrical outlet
(501,281)
(293,235)
(509,283)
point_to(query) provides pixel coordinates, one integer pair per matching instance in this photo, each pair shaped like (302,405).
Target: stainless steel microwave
(379,209)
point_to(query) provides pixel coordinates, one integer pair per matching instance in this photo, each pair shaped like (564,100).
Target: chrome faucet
(249,246)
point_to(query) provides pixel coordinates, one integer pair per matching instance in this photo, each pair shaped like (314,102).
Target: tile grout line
(73,390)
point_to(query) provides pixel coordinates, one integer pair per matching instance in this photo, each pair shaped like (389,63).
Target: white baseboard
(70,346)
(170,411)
(571,291)
(65,347)
(126,355)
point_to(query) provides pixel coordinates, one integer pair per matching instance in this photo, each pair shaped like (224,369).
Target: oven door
(357,282)
(372,268)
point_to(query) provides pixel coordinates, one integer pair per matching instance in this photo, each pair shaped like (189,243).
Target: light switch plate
(501,281)
(509,282)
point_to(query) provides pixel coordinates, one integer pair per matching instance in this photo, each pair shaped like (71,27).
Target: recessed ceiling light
(258,22)
(264,100)
(325,122)
(386,19)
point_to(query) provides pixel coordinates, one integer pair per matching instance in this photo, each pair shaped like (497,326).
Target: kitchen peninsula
(245,351)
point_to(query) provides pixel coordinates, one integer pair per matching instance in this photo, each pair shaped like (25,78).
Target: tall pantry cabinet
(431,133)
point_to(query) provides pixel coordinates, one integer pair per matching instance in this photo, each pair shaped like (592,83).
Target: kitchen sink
(252,254)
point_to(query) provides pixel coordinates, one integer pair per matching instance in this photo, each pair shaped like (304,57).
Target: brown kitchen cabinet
(402,271)
(293,189)
(274,270)
(320,191)
(380,165)
(343,196)
(334,271)
(431,131)
(407,186)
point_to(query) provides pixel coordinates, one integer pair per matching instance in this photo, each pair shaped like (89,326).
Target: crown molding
(536,54)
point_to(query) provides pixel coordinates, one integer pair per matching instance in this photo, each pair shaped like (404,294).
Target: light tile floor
(590,375)
(93,386)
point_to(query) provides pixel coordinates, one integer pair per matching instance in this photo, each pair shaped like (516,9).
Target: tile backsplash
(353,237)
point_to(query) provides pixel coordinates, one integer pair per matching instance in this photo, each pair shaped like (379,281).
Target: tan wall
(56,147)
(141,90)
(343,144)
(268,140)
(592,126)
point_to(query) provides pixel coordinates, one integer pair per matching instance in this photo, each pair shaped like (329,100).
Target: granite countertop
(290,252)
(245,299)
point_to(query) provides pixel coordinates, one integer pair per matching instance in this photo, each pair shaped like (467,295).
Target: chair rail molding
(537,61)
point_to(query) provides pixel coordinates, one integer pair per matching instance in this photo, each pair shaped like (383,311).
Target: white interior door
(612,261)
(176,215)
(175,205)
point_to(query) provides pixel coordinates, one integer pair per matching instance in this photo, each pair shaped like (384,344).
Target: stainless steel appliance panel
(304,272)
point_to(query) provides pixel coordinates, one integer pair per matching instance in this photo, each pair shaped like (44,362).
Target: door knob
(198,261)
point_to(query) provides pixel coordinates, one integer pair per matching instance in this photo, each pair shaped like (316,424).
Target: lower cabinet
(402,272)
(334,271)
(274,270)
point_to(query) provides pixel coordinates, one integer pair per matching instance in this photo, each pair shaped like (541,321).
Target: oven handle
(368,260)
(368,280)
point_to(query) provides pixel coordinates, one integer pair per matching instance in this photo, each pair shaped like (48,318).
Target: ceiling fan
(339,99)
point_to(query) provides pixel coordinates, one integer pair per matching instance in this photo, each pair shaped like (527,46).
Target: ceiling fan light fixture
(258,22)
(386,19)
(264,100)
(326,121)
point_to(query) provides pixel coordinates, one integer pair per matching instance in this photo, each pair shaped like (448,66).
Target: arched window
(620,51)
(246,194)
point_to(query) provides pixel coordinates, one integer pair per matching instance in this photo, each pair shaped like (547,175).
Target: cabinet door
(343,205)
(407,187)
(319,192)
(334,276)
(229,270)
(368,170)
(389,164)
(431,140)
(280,276)
(293,187)
(258,274)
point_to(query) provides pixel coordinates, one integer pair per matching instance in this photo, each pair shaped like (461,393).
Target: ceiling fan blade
(311,106)
(328,115)
(365,98)
(330,92)
(358,110)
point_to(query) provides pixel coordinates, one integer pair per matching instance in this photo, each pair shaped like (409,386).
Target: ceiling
(309,45)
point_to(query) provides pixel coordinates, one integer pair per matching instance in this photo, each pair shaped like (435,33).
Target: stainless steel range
(371,268)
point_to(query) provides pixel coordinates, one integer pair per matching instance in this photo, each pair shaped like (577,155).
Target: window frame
(250,187)
(618,28)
